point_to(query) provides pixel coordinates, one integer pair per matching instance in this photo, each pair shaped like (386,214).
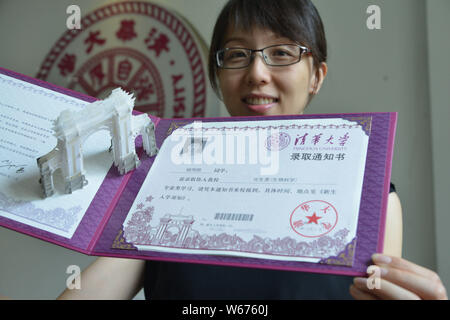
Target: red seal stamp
(314,218)
(141,47)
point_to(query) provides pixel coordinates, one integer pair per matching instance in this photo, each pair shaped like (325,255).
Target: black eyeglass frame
(303,50)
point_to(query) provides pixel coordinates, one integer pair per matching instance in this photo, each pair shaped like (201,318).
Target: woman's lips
(260,104)
(261,107)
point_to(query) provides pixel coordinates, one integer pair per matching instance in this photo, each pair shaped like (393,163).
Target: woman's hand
(400,279)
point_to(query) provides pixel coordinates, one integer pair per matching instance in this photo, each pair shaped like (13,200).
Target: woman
(267,58)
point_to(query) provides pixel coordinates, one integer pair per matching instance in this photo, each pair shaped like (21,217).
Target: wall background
(403,67)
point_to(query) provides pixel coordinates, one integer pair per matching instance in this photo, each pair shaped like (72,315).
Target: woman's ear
(317,79)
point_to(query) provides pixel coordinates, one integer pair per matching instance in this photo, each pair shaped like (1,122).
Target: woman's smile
(259,102)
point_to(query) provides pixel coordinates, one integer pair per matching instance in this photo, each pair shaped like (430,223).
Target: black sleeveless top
(173,280)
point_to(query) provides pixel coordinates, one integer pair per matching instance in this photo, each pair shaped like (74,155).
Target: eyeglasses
(276,55)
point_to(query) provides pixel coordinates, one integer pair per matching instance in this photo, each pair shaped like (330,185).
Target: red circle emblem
(139,46)
(313,218)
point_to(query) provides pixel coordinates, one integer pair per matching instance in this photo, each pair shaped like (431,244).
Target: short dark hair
(297,20)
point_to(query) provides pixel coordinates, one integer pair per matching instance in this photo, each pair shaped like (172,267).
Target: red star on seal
(313,218)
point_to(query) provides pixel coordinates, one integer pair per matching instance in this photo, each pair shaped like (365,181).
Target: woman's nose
(258,72)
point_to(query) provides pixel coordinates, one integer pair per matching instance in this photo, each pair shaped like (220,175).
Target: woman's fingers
(426,288)
(359,294)
(386,291)
(398,279)
(399,263)
(423,282)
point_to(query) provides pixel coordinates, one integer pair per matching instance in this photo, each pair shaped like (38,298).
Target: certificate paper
(285,190)
(27,112)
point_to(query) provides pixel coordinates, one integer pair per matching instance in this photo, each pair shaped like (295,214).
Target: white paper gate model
(73,128)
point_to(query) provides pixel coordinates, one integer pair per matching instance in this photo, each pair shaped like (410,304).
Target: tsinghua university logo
(138,46)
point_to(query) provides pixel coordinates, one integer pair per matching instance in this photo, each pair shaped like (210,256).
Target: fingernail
(380,258)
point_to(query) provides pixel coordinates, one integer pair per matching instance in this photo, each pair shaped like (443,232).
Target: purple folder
(100,232)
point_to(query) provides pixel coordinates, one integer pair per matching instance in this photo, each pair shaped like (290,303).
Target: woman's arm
(109,279)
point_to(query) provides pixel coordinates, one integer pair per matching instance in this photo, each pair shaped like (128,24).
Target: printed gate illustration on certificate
(181,223)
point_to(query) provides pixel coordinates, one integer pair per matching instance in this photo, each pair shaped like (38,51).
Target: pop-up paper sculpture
(73,128)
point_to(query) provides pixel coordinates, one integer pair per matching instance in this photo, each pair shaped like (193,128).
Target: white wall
(387,70)
(392,69)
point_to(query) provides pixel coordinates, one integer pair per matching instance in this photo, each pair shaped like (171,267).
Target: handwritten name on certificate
(285,190)
(27,112)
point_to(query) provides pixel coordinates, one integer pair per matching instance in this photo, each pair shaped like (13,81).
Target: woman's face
(260,89)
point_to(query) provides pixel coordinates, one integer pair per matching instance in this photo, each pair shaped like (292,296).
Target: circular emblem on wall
(138,46)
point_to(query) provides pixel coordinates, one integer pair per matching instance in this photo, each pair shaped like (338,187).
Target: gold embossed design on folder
(344,258)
